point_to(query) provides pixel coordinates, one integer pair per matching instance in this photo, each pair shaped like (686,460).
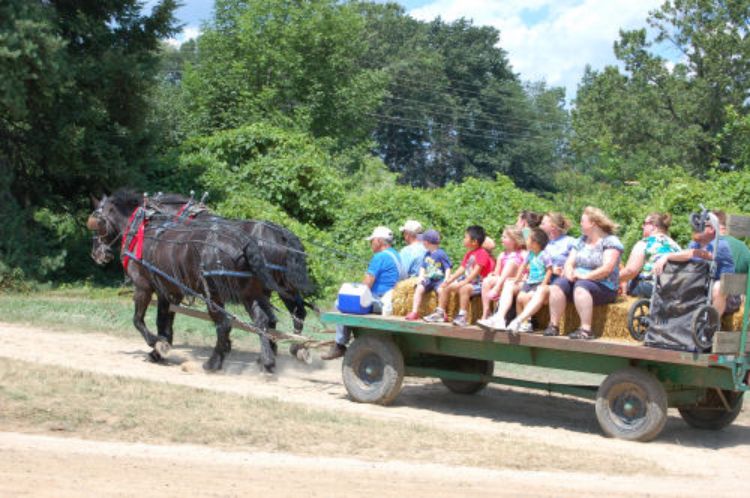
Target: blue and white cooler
(355,298)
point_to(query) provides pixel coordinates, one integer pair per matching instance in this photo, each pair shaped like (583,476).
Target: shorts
(600,293)
(527,287)
(430,285)
(640,287)
(476,288)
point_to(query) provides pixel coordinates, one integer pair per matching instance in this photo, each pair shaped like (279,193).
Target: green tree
(75,81)
(657,113)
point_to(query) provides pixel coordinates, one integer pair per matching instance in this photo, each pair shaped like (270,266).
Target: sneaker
(336,351)
(460,321)
(498,323)
(412,316)
(582,334)
(437,316)
(526,327)
(486,323)
(514,326)
(551,330)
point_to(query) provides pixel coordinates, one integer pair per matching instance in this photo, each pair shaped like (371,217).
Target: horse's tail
(257,263)
(297,270)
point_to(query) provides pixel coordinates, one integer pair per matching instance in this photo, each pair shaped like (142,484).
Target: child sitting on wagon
(538,269)
(467,280)
(506,267)
(435,268)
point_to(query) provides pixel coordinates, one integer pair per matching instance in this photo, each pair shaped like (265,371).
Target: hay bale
(609,320)
(403,298)
(733,322)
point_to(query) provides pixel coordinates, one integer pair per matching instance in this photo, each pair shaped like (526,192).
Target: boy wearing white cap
(383,272)
(412,255)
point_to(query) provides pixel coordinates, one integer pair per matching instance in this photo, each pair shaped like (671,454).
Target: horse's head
(107,222)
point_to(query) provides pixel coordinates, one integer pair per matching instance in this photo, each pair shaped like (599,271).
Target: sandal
(582,334)
(551,331)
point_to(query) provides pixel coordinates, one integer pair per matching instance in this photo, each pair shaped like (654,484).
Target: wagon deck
(631,402)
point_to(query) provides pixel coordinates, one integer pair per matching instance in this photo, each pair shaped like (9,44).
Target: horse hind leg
(142,298)
(223,342)
(164,321)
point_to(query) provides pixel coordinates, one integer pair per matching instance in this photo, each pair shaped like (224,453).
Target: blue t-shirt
(385,270)
(558,250)
(435,264)
(724,261)
(538,264)
(412,257)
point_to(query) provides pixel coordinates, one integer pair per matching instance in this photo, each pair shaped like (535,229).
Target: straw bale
(609,320)
(403,299)
(732,322)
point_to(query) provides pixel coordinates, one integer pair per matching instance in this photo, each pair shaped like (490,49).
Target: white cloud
(187,33)
(559,38)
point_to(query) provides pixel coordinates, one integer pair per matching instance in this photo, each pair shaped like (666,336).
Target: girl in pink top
(507,265)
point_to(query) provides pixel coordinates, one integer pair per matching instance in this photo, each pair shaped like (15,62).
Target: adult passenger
(702,247)
(383,272)
(412,255)
(655,243)
(590,276)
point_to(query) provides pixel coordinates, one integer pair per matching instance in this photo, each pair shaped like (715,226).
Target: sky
(550,40)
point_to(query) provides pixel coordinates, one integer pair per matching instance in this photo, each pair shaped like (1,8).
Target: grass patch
(44,398)
(109,310)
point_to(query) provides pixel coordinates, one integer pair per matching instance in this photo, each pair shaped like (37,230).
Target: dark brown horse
(213,259)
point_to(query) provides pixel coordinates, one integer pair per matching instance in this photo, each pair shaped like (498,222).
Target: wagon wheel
(373,370)
(717,410)
(704,325)
(631,404)
(639,319)
(469,365)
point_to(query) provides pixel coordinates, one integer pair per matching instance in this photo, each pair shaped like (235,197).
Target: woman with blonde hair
(655,243)
(590,275)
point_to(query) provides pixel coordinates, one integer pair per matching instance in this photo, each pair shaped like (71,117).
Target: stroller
(679,314)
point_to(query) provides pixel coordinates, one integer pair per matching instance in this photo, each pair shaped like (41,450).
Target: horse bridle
(109,228)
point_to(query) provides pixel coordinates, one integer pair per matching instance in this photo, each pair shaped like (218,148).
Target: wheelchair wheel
(705,323)
(638,319)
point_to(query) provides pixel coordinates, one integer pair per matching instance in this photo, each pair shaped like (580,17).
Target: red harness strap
(135,243)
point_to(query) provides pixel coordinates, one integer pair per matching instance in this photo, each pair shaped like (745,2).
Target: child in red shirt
(467,280)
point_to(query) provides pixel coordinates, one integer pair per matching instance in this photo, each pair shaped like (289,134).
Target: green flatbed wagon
(631,403)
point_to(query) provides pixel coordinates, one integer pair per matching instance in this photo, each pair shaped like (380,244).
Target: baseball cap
(381,233)
(431,236)
(412,226)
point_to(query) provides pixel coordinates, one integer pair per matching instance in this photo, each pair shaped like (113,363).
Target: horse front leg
(223,342)
(261,319)
(164,321)
(142,298)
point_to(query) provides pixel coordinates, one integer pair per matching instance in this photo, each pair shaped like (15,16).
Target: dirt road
(697,463)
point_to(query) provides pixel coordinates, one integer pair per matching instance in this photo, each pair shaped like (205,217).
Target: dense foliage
(333,117)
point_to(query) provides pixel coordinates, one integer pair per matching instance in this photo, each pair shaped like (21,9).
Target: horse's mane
(125,201)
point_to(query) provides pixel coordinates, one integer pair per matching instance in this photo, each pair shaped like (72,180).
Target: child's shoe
(412,316)
(460,321)
(437,316)
(514,326)
(526,327)
(498,323)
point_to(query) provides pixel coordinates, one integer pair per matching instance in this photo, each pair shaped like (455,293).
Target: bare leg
(445,294)
(464,297)
(557,302)
(521,300)
(506,298)
(487,286)
(585,306)
(418,294)
(538,299)
(718,300)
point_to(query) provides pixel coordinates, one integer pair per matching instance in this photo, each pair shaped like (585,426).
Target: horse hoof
(155,356)
(213,364)
(162,347)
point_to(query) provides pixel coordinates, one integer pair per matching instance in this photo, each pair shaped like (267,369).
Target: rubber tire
(705,416)
(713,324)
(636,306)
(653,398)
(469,365)
(384,353)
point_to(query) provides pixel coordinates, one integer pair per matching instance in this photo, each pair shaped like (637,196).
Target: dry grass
(42,398)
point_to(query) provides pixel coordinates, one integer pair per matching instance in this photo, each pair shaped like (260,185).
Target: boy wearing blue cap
(435,268)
